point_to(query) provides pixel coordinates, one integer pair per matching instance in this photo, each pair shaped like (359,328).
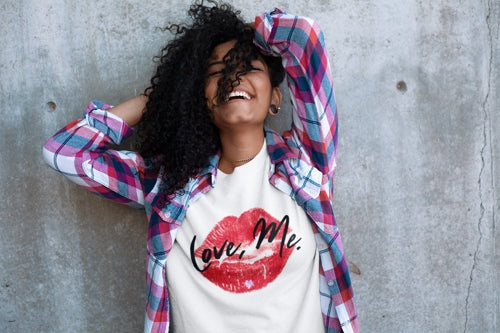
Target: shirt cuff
(114,127)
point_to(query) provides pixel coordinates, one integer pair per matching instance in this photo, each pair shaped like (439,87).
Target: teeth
(238,94)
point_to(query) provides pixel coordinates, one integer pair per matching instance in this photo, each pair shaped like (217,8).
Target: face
(248,103)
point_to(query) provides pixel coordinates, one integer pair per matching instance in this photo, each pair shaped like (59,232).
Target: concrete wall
(417,194)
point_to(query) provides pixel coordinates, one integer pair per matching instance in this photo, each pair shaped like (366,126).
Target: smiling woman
(239,96)
(242,235)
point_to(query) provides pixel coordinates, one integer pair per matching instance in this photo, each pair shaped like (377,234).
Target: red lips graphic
(246,253)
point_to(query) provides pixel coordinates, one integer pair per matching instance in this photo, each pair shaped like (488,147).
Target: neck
(239,148)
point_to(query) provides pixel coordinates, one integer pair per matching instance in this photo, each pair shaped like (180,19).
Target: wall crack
(484,150)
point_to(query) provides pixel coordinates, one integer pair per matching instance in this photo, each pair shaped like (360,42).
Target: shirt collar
(277,148)
(211,169)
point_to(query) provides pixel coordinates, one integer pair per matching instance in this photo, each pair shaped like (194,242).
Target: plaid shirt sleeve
(81,152)
(299,41)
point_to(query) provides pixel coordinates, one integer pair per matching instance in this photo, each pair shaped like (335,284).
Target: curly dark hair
(176,132)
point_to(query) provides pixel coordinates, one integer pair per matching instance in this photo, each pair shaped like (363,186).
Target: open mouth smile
(238,94)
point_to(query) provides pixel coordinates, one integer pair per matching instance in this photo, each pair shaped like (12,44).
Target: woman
(243,215)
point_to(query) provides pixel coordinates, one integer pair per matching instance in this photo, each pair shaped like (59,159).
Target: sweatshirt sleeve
(300,43)
(81,151)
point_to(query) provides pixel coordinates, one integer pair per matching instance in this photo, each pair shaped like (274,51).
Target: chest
(303,187)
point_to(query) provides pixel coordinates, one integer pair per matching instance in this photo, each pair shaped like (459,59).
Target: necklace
(244,160)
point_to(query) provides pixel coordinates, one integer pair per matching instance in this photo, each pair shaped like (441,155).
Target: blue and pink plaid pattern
(303,166)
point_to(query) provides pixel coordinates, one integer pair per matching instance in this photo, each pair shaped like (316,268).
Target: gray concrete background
(417,198)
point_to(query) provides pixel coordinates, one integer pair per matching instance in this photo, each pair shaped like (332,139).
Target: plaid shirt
(302,166)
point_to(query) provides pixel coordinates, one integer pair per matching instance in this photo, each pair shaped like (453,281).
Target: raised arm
(299,41)
(131,110)
(81,151)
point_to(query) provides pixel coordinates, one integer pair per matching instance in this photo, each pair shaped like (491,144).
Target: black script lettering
(206,255)
(272,230)
(230,247)
(290,242)
(193,258)
(241,254)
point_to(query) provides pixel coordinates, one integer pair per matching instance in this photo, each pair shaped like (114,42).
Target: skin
(131,111)
(240,121)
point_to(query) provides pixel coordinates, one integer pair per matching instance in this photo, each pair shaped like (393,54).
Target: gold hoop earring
(274,109)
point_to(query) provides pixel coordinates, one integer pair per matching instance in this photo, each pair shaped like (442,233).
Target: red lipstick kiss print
(245,253)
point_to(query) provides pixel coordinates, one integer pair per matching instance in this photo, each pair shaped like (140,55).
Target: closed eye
(214,73)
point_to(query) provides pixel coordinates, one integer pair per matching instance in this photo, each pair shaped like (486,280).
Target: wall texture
(417,196)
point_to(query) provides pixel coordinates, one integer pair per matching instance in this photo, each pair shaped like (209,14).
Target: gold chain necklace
(244,160)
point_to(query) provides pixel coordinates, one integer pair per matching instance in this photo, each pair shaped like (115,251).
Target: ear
(276,96)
